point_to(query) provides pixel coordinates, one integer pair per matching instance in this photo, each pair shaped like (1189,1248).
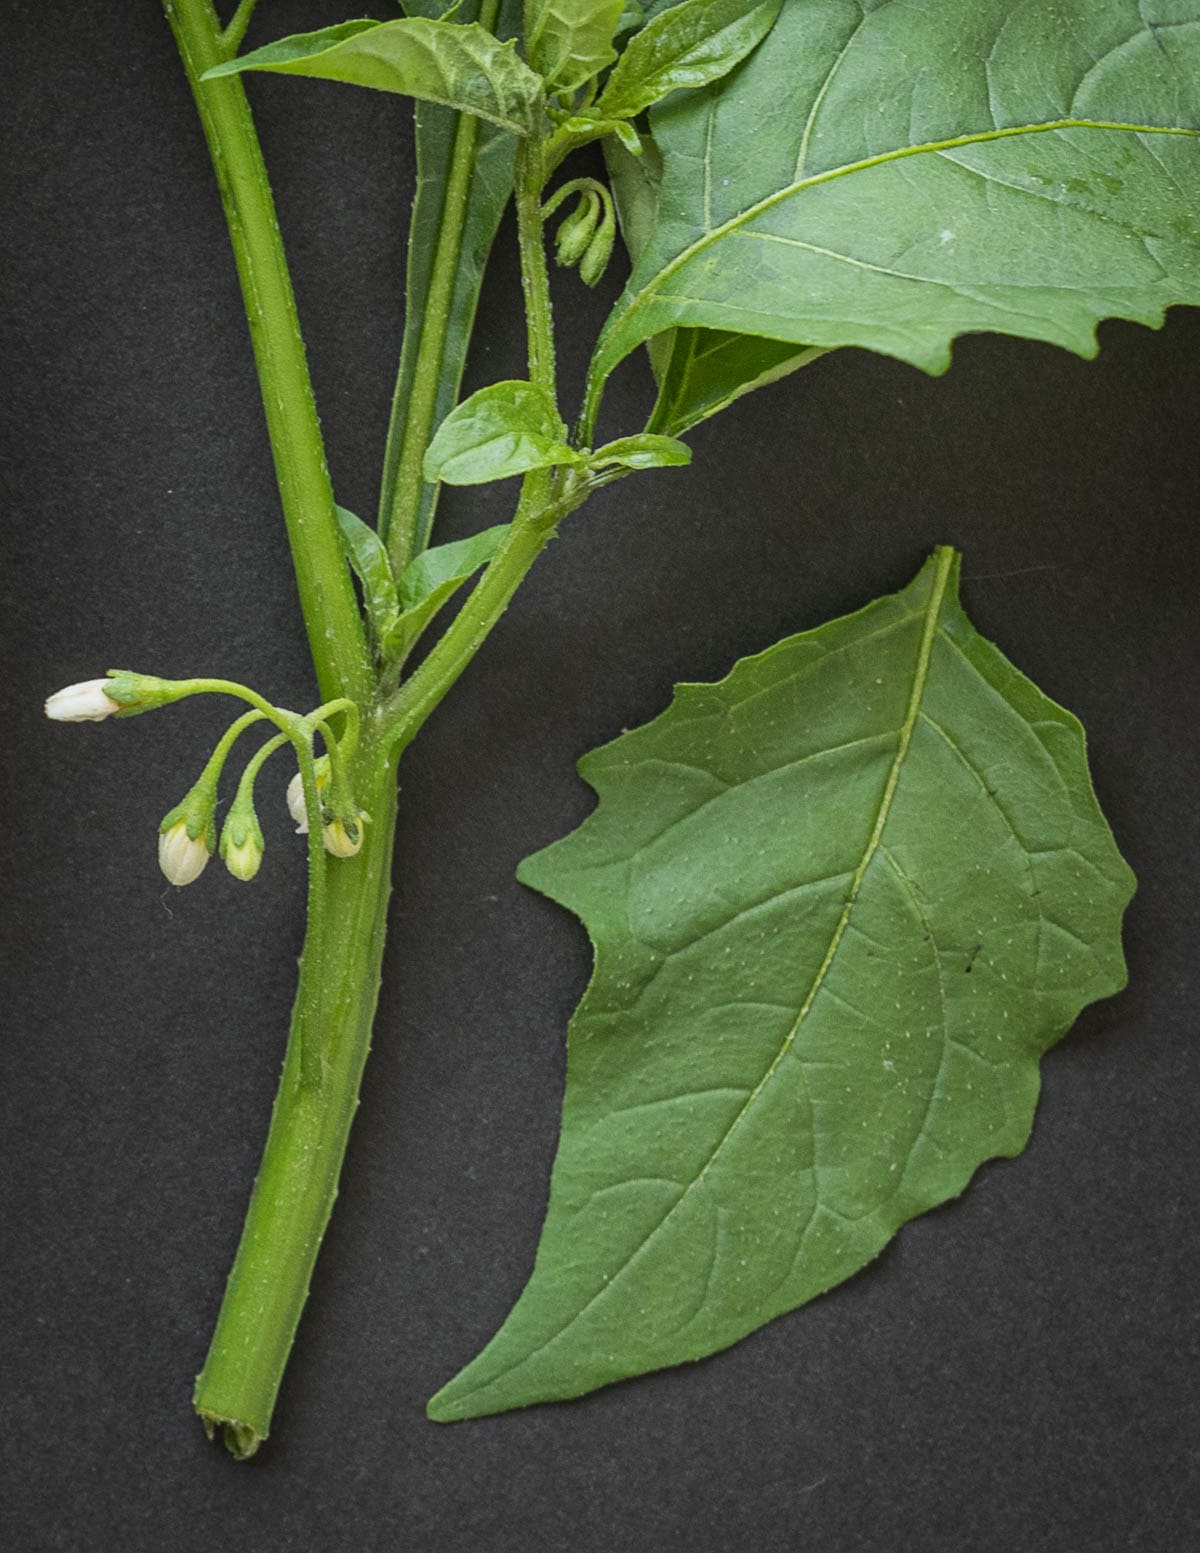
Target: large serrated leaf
(892,175)
(841,903)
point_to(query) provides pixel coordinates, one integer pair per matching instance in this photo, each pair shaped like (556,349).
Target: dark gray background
(1017,1371)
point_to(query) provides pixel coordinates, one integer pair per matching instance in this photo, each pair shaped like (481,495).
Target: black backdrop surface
(1017,1371)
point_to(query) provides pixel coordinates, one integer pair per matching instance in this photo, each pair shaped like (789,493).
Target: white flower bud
(82,703)
(295,796)
(243,859)
(180,856)
(339,841)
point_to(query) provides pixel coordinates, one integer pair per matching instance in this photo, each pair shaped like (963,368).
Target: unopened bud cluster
(187,834)
(586,236)
(341,833)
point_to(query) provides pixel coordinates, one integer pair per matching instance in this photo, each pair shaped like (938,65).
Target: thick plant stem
(335,632)
(297,1180)
(412,416)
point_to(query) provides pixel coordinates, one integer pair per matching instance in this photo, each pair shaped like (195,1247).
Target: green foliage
(645,451)
(570,41)
(702,371)
(432,579)
(686,46)
(841,903)
(506,429)
(459,66)
(369,561)
(399,612)
(1031,173)
(478,217)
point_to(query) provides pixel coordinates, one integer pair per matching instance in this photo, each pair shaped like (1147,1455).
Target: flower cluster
(188,832)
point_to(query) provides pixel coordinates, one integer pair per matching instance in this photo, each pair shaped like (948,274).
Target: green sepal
(241,828)
(136,693)
(197,809)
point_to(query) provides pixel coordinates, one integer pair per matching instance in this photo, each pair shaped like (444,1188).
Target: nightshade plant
(841,901)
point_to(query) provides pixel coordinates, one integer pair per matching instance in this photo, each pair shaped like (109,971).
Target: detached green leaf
(433,578)
(841,903)
(459,66)
(686,46)
(506,429)
(368,558)
(570,41)
(644,451)
(894,175)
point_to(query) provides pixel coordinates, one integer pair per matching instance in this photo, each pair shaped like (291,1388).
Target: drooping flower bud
(82,703)
(187,836)
(295,794)
(242,843)
(577,229)
(599,250)
(181,857)
(344,837)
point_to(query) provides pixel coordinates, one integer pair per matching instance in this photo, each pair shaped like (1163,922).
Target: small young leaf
(460,66)
(367,556)
(506,429)
(570,41)
(644,451)
(432,579)
(687,46)
(841,902)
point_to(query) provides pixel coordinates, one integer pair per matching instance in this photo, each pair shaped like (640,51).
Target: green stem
(335,632)
(236,31)
(411,424)
(535,277)
(310,1124)
(532,530)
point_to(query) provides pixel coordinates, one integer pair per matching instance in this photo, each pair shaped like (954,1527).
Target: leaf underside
(893,175)
(841,903)
(462,67)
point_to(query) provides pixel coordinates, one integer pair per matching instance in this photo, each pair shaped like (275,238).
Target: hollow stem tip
(239,1439)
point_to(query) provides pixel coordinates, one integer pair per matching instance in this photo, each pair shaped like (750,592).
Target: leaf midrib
(944,563)
(768,202)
